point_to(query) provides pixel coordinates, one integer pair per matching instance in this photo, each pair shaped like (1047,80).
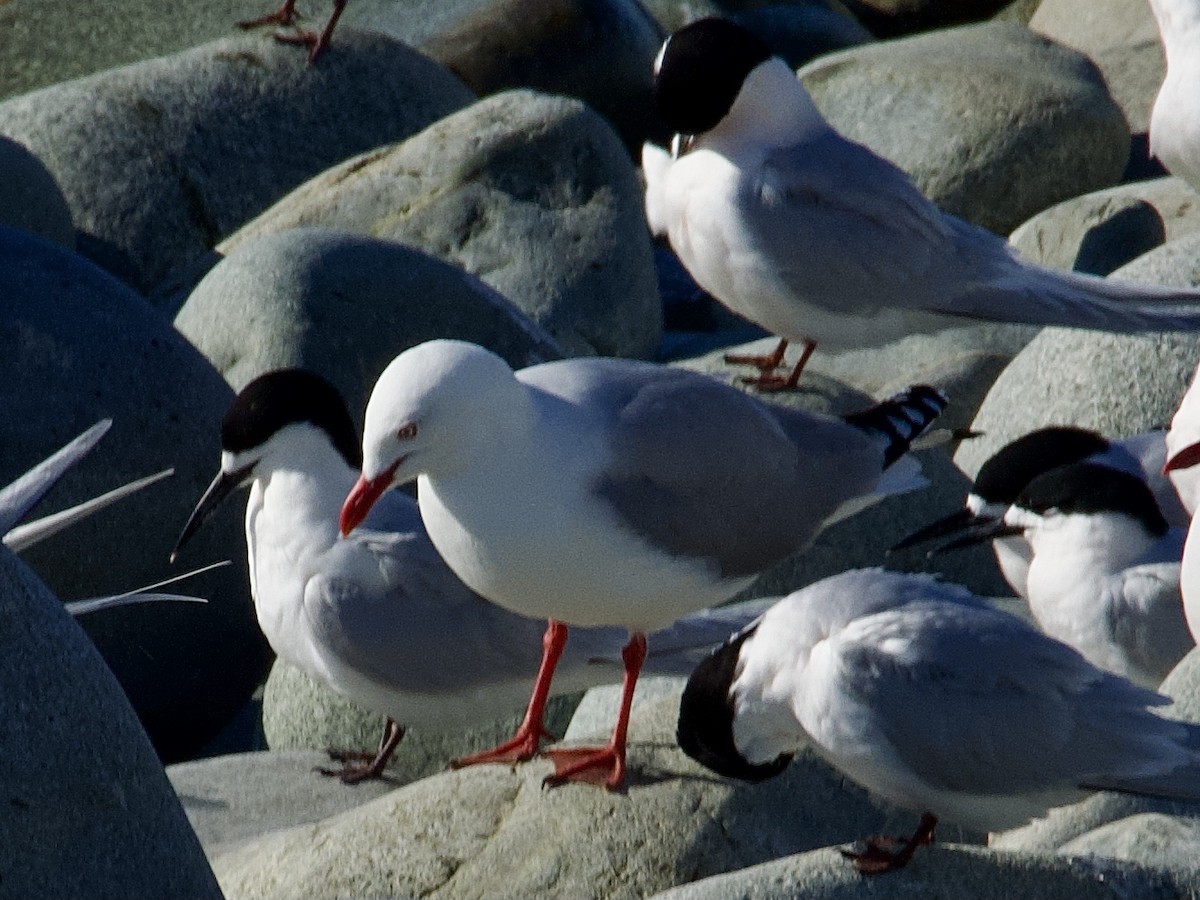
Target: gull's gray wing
(702,470)
(976,701)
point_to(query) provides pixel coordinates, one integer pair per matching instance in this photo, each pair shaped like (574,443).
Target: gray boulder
(600,51)
(30,198)
(993,122)
(1092,26)
(300,713)
(533,194)
(1104,230)
(88,811)
(344,305)
(799,30)
(80,346)
(1114,383)
(161,159)
(230,800)
(494,831)
(946,872)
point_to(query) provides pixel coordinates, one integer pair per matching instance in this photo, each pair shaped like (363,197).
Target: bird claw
(601,766)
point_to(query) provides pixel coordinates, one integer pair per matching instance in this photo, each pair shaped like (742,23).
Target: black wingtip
(902,419)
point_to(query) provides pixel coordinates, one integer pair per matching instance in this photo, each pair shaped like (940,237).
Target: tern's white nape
(316,42)
(931,698)
(378,616)
(1105,572)
(613,492)
(1010,469)
(818,239)
(1175,117)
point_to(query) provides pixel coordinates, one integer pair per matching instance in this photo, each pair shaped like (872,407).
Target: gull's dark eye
(407,431)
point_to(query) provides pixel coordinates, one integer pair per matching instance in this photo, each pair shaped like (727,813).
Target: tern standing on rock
(612,492)
(378,616)
(1006,473)
(1105,570)
(931,698)
(820,240)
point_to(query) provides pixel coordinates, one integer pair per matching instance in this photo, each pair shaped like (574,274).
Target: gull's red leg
(768,382)
(765,363)
(524,744)
(604,765)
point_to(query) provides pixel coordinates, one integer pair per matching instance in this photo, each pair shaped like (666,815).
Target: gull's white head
(432,410)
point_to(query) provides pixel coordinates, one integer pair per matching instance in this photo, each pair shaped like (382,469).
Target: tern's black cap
(283,397)
(701,70)
(1002,478)
(1091,488)
(706,714)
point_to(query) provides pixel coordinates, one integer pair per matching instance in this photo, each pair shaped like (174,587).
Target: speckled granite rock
(993,122)
(105,803)
(160,160)
(30,198)
(344,305)
(533,194)
(600,51)
(492,831)
(1104,230)
(79,346)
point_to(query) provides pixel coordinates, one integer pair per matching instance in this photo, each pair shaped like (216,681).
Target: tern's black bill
(952,524)
(222,486)
(986,530)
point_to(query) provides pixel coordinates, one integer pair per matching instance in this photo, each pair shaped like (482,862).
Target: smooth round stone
(161,159)
(600,51)
(79,773)
(344,305)
(493,830)
(81,346)
(300,713)
(30,198)
(1104,230)
(533,194)
(993,122)
(945,871)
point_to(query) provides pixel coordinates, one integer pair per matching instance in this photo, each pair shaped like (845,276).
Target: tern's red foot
(285,15)
(317,44)
(764,363)
(879,854)
(603,766)
(362,765)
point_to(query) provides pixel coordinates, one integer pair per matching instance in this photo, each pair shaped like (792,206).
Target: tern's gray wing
(976,701)
(387,605)
(1145,616)
(702,470)
(838,222)
(849,231)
